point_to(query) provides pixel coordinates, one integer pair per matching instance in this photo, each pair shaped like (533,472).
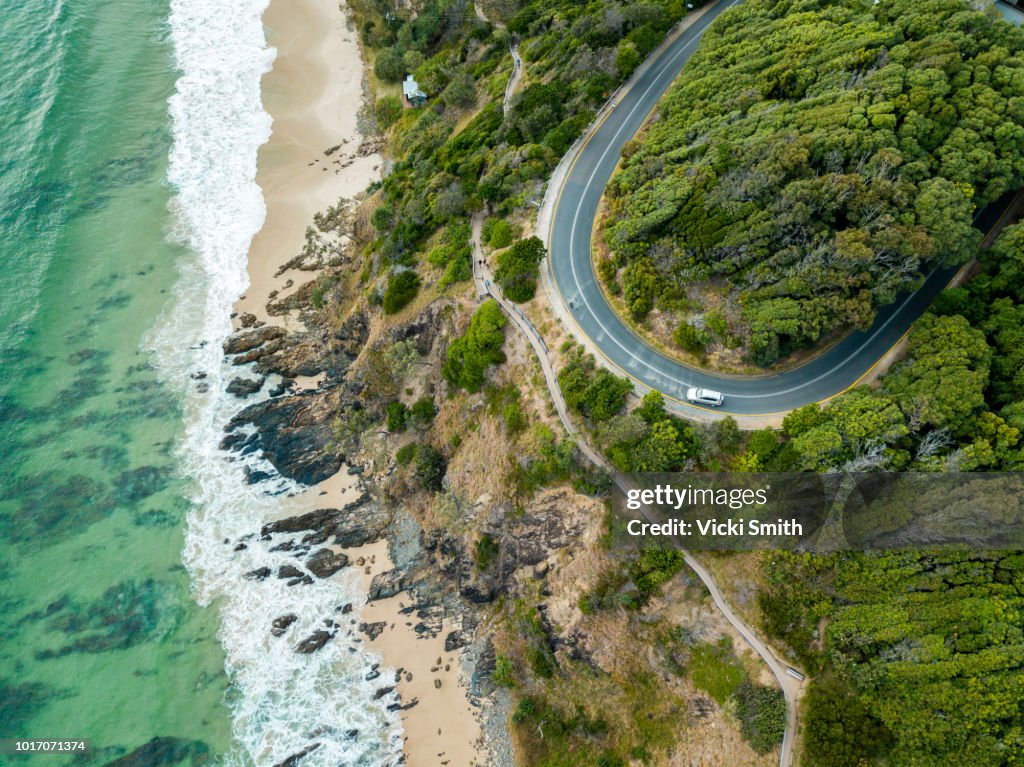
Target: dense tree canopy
(820,156)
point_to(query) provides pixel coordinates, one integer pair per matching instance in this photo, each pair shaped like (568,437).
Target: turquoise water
(131,126)
(100,638)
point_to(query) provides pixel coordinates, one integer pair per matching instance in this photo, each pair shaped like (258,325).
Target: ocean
(127,204)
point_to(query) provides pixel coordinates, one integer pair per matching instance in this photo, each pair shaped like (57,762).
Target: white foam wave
(282,701)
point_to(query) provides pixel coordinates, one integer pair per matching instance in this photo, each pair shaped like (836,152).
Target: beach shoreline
(316,153)
(316,156)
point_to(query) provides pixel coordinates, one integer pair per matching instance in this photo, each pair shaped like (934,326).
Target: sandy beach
(442,727)
(313,94)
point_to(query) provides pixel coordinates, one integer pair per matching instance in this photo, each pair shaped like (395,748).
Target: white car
(704,396)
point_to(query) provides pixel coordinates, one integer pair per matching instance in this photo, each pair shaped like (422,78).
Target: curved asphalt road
(828,374)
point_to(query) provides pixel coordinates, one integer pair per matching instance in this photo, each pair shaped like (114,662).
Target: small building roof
(411,89)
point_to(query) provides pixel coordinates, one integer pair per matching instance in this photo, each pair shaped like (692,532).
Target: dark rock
(241,442)
(326,563)
(240,547)
(254,476)
(381,692)
(258,574)
(351,734)
(281,388)
(280,625)
(259,353)
(244,387)
(373,630)
(294,759)
(349,529)
(289,571)
(244,342)
(454,641)
(346,609)
(314,641)
(293,433)
(372,674)
(247,320)
(481,682)
(386,585)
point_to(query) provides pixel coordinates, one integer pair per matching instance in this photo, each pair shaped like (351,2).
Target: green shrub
(762,714)
(517,269)
(469,356)
(486,549)
(653,568)
(401,290)
(430,467)
(387,110)
(381,217)
(504,672)
(423,411)
(541,662)
(691,339)
(405,454)
(397,416)
(388,65)
(497,232)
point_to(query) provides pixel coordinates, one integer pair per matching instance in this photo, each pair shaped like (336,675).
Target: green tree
(803,419)
(627,58)
(461,91)
(470,355)
(381,217)
(388,65)
(517,269)
(402,289)
(397,416)
(605,396)
(943,379)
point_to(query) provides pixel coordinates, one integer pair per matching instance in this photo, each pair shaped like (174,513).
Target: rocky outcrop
(373,630)
(252,339)
(281,624)
(355,524)
(386,585)
(293,433)
(325,563)
(306,353)
(454,641)
(314,641)
(243,387)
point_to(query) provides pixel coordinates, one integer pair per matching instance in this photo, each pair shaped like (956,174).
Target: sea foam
(282,701)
